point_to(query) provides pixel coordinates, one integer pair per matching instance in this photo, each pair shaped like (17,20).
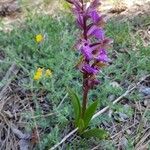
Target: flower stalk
(85,94)
(92,45)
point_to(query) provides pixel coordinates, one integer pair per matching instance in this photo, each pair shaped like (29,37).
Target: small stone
(24,144)
(145,90)
(126,106)
(115,84)
(123,117)
(148,31)
(128,132)
(147,102)
(110,113)
(123,142)
(111,97)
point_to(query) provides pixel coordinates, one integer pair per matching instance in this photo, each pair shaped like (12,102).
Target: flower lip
(89,69)
(97,32)
(95,16)
(86,51)
(103,56)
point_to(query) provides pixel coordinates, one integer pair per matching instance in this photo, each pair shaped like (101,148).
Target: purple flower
(92,43)
(96,32)
(86,51)
(89,69)
(95,16)
(103,56)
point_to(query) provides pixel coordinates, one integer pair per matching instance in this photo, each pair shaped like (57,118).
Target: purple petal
(97,32)
(103,56)
(89,69)
(87,52)
(81,42)
(80,21)
(95,16)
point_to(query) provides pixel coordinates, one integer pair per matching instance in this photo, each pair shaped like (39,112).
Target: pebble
(144,90)
(128,132)
(115,84)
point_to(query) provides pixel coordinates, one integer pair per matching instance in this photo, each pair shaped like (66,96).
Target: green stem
(85,94)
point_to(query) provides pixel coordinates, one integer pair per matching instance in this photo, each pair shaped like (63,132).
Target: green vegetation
(56,52)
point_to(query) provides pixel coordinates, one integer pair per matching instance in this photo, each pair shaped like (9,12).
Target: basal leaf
(89,113)
(76,104)
(96,132)
(81,125)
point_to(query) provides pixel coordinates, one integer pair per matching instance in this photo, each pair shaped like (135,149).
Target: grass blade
(96,132)
(89,113)
(76,104)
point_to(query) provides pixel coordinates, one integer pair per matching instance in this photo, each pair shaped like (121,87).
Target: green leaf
(81,125)
(76,105)
(96,132)
(66,5)
(89,113)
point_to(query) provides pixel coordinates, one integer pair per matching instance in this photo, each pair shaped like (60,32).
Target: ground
(38,114)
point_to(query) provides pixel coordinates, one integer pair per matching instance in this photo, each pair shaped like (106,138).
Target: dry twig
(13,70)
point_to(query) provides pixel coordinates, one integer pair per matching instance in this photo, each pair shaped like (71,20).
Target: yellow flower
(38,74)
(39,38)
(48,73)
(40,70)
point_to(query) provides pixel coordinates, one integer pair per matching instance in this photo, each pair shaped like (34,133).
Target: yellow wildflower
(48,73)
(38,74)
(39,38)
(40,70)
